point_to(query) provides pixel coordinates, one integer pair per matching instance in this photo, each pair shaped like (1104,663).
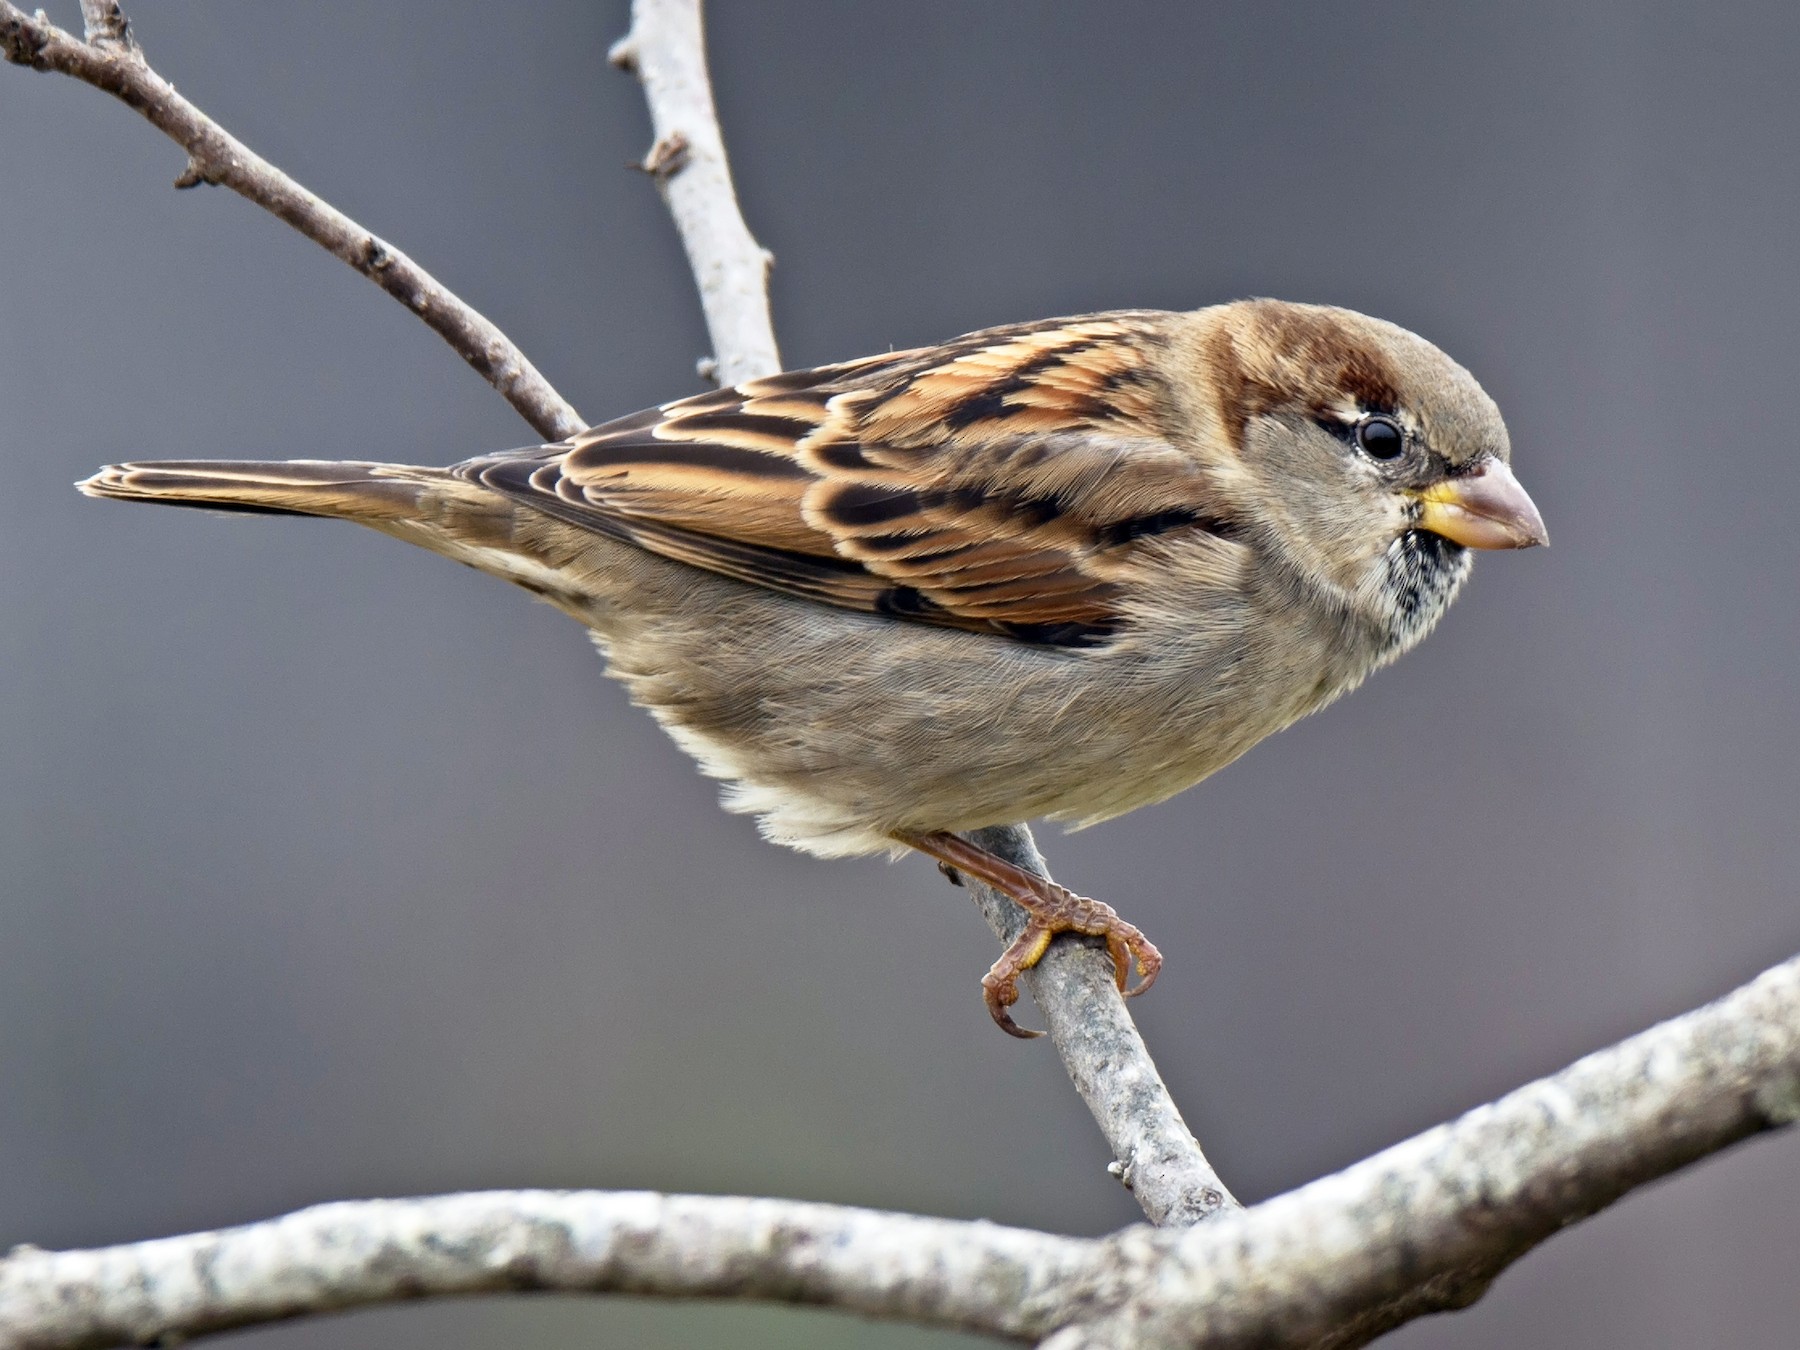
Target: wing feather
(1005,481)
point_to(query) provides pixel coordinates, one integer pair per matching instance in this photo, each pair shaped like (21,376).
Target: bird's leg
(1051,909)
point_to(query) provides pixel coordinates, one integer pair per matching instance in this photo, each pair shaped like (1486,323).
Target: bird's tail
(374,494)
(438,509)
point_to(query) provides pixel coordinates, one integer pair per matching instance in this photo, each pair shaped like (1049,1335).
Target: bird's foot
(1058,910)
(1052,909)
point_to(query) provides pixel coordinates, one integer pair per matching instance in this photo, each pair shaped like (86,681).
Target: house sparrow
(1057,569)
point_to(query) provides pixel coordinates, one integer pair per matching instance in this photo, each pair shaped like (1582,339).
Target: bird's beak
(1483,508)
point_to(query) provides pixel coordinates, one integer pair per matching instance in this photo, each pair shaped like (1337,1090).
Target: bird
(1056,569)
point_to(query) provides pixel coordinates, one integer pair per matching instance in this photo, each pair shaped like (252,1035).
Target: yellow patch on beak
(1483,508)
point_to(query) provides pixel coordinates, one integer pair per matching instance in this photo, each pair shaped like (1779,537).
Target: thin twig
(111,60)
(104,21)
(1423,1227)
(1155,1154)
(666,49)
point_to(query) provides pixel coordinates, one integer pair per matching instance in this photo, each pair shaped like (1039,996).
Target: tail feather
(438,509)
(347,490)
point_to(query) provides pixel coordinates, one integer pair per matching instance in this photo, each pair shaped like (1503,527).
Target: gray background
(331,870)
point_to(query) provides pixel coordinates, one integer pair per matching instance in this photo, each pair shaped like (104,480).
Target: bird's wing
(1004,481)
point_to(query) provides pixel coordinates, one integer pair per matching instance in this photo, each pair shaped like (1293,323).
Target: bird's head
(1363,455)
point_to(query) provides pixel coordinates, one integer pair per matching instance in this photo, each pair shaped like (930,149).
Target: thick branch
(666,50)
(1155,1154)
(1426,1225)
(971,1276)
(1420,1228)
(110,60)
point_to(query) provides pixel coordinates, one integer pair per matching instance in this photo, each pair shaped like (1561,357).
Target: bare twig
(103,21)
(1420,1228)
(111,60)
(666,50)
(1155,1155)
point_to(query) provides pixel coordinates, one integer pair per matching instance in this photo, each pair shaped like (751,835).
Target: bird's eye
(1380,438)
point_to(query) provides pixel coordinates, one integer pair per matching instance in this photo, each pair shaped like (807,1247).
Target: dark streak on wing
(694,454)
(844,455)
(756,424)
(1063,634)
(862,504)
(990,402)
(1119,532)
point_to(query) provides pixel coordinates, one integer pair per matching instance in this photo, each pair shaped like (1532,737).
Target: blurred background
(332,870)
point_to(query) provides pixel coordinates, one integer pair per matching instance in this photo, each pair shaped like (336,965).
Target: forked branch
(1420,1228)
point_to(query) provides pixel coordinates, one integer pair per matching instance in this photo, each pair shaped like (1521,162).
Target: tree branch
(666,50)
(1155,1154)
(1423,1227)
(111,60)
(1426,1225)
(104,21)
(970,1276)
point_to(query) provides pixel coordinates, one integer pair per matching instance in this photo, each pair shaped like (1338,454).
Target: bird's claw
(1062,911)
(1050,909)
(1001,989)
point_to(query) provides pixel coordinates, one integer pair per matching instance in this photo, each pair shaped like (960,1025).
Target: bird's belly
(937,729)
